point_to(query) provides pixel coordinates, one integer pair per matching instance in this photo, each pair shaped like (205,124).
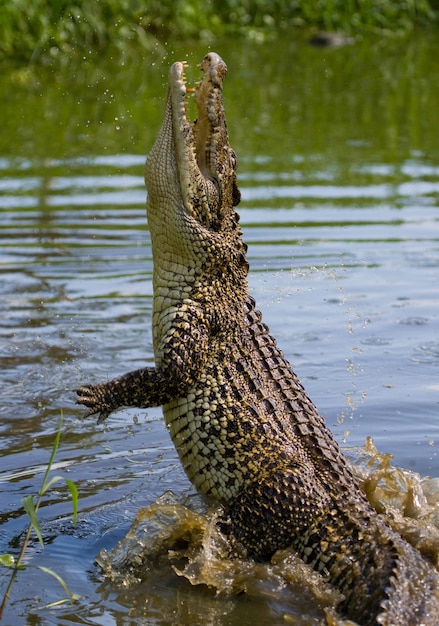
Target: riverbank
(44,30)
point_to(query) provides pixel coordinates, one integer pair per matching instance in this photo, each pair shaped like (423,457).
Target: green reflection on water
(283,99)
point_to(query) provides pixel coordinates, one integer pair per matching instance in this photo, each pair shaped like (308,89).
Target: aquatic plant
(31,506)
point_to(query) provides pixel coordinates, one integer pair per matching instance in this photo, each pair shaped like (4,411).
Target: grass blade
(29,507)
(72,597)
(48,484)
(53,454)
(74,495)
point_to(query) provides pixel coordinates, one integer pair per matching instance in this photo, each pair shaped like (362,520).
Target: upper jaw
(203,155)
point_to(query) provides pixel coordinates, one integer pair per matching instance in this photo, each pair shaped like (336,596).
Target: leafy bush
(44,28)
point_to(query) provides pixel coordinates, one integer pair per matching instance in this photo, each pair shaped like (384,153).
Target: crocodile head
(190,175)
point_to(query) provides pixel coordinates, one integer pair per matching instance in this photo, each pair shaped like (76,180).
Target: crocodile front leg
(183,349)
(141,388)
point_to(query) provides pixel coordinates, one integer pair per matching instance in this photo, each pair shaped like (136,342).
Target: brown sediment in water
(181,536)
(409,501)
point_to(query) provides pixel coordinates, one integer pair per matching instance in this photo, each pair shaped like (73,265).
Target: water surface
(339,171)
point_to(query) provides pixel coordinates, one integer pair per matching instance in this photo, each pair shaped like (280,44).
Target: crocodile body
(245,430)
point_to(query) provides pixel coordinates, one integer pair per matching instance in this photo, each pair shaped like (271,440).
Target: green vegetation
(43,29)
(31,507)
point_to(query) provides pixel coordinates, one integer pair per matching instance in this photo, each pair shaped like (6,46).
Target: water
(339,171)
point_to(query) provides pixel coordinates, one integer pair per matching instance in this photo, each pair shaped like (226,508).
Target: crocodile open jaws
(244,428)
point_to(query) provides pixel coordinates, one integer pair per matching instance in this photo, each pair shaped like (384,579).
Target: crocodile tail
(383,579)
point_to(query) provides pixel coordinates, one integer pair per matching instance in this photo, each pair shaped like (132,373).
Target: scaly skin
(245,430)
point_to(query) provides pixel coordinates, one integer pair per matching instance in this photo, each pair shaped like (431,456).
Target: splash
(409,501)
(181,535)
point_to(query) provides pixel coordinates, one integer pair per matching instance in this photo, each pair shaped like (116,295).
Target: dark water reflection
(339,171)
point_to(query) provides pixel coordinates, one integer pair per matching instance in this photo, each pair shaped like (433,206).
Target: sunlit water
(340,188)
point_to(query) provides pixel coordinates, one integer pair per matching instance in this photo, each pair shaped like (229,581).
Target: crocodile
(247,434)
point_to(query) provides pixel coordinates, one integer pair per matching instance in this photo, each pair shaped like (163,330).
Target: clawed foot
(94,397)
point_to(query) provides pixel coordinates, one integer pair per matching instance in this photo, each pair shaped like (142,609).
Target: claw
(88,398)
(90,411)
(103,416)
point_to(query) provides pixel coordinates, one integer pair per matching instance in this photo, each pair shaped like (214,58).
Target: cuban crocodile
(244,428)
